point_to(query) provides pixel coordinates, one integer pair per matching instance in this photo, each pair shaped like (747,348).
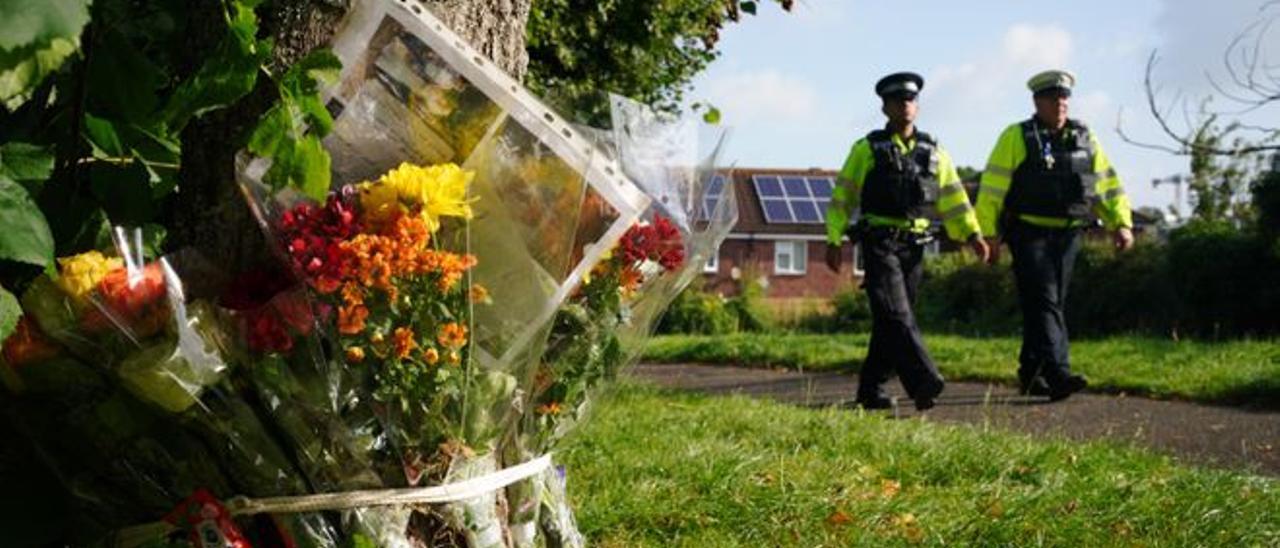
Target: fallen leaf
(839,517)
(889,488)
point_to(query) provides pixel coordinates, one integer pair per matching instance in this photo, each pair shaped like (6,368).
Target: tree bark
(209,213)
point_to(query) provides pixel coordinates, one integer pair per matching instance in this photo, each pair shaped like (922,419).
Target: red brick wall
(755,257)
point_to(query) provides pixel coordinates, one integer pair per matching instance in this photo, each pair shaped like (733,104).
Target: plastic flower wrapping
(401,374)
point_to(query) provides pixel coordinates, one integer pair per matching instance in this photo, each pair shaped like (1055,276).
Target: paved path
(1196,433)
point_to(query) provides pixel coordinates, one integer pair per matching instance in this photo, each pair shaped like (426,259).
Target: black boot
(1065,386)
(1035,386)
(927,393)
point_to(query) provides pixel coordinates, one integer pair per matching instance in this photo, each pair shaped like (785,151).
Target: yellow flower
(355,354)
(435,191)
(81,273)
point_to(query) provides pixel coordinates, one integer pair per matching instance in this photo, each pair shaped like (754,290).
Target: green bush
(695,311)
(1225,278)
(1115,292)
(748,307)
(961,295)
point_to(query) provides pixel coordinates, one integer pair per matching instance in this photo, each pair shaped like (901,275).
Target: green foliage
(959,294)
(852,311)
(696,311)
(24,233)
(1219,184)
(1225,278)
(36,37)
(10,311)
(227,74)
(748,306)
(298,159)
(103,144)
(1266,201)
(1114,292)
(647,51)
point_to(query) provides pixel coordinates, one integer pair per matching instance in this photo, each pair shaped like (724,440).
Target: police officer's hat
(900,85)
(1052,81)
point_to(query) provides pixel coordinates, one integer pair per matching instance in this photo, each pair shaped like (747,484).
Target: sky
(796,89)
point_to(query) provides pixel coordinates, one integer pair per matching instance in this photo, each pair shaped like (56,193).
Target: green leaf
(10,311)
(24,22)
(226,75)
(22,69)
(712,116)
(275,127)
(26,163)
(123,80)
(24,233)
(749,7)
(303,164)
(102,135)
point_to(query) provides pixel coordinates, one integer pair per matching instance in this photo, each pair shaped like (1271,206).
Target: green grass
(1241,372)
(656,468)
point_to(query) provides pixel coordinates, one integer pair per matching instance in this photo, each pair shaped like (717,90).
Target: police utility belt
(904,235)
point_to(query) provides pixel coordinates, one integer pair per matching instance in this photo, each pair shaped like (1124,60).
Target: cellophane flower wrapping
(602,327)
(128,390)
(463,215)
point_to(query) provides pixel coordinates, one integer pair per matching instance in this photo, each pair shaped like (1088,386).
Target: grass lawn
(1227,372)
(656,468)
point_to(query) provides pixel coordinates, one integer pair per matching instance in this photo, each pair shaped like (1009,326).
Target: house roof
(752,217)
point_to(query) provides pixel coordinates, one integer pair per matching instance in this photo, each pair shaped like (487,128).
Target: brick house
(780,235)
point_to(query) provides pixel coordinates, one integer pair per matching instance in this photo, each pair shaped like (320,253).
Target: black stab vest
(901,185)
(1063,188)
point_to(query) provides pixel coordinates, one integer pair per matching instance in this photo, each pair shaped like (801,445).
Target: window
(789,257)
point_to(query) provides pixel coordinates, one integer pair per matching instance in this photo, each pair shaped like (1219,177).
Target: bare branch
(1188,143)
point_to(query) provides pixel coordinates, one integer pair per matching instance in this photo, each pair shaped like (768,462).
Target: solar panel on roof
(806,212)
(821,186)
(795,187)
(715,190)
(777,211)
(767,186)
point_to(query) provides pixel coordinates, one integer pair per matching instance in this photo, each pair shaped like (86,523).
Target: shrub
(961,295)
(748,306)
(695,311)
(1122,292)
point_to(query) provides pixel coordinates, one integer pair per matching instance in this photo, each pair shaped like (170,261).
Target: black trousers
(894,267)
(1042,263)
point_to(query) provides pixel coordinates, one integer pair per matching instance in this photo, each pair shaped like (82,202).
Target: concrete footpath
(1194,433)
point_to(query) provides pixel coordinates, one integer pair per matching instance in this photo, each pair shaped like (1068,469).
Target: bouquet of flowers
(111,353)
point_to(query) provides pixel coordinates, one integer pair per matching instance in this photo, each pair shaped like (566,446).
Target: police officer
(897,175)
(1048,178)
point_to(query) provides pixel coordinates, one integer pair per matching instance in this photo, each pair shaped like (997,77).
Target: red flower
(658,241)
(311,236)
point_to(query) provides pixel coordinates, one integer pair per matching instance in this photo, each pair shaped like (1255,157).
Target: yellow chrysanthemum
(80,274)
(435,191)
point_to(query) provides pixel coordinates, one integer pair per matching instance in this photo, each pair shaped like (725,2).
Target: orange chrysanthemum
(351,319)
(431,355)
(404,341)
(452,335)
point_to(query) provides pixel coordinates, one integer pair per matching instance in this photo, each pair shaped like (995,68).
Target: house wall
(755,258)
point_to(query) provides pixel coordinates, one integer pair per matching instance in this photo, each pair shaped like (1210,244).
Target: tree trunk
(209,213)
